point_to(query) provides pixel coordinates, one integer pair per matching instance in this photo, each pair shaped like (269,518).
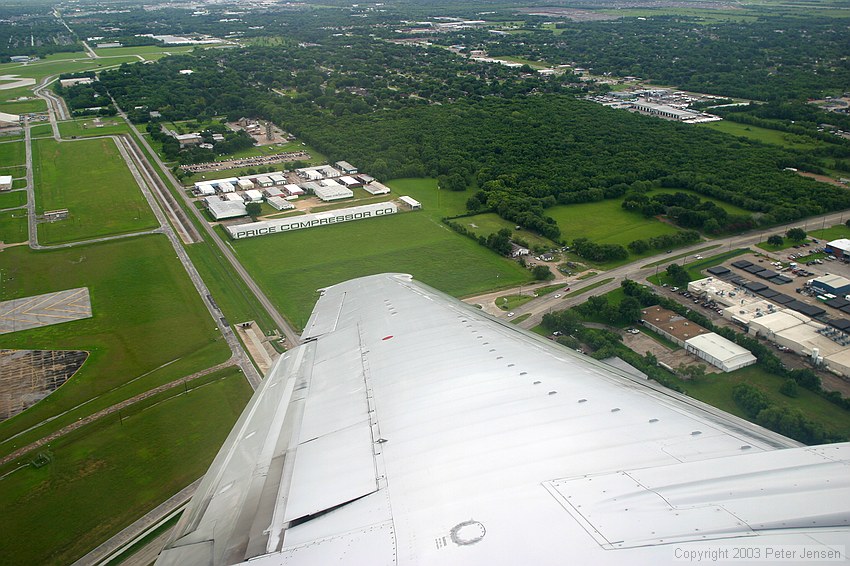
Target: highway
(539,306)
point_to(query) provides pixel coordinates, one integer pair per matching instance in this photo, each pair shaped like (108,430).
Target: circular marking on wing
(468,532)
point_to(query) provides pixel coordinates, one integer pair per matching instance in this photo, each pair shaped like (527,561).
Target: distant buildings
(65,83)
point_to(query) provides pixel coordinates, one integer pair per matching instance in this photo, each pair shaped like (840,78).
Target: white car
(558,296)
(510,314)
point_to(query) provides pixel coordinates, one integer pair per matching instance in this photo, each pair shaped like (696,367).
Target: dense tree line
(768,58)
(780,418)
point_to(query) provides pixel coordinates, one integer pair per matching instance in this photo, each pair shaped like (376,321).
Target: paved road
(89,50)
(635,270)
(292,337)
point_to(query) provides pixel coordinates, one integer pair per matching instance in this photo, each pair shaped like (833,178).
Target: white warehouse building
(719,352)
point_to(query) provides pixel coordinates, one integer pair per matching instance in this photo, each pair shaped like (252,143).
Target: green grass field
(436,203)
(91,180)
(142,50)
(41,130)
(13,226)
(290,267)
(490,223)
(13,199)
(85,127)
(765,135)
(24,106)
(55,66)
(605,222)
(832,233)
(12,153)
(105,475)
(149,326)
(12,94)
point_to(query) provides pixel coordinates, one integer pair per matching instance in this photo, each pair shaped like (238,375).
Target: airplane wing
(411,428)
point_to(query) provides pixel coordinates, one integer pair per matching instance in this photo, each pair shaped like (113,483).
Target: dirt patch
(28,376)
(642,343)
(823,179)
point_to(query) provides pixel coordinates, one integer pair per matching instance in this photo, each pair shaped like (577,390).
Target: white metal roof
(332,193)
(280,203)
(718,347)
(473,442)
(842,244)
(254,195)
(221,209)
(833,280)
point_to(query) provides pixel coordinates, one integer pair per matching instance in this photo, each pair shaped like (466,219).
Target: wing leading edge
(411,428)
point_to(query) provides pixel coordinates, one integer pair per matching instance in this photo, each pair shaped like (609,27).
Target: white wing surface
(411,428)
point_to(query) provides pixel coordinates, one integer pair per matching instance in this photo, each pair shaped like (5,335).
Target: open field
(12,153)
(41,130)
(13,199)
(105,475)
(91,180)
(149,326)
(55,66)
(290,267)
(12,94)
(24,106)
(85,127)
(832,233)
(436,203)
(764,135)
(490,223)
(13,226)
(142,50)
(605,222)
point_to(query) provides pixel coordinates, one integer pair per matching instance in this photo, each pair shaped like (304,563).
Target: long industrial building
(706,345)
(789,323)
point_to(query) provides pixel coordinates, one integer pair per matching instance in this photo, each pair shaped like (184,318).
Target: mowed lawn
(291,266)
(106,475)
(13,199)
(57,65)
(435,203)
(13,226)
(23,106)
(606,222)
(91,180)
(85,127)
(149,325)
(12,153)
